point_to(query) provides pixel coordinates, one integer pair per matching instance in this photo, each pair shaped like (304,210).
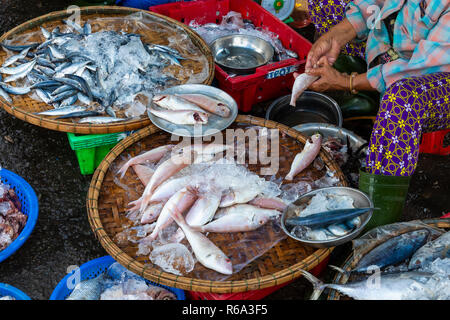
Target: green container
(91,149)
(387,193)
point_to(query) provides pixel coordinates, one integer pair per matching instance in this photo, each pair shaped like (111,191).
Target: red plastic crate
(252,294)
(433,142)
(446,216)
(269,81)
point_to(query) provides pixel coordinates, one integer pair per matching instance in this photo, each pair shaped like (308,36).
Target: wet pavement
(62,236)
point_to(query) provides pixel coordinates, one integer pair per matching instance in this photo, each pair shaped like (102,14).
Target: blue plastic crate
(30,207)
(94,268)
(8,290)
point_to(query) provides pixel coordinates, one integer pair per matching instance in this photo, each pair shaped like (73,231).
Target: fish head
(200,117)
(316,138)
(221,262)
(223,110)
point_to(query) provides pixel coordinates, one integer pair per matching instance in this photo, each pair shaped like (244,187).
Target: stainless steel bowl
(360,200)
(240,53)
(327,130)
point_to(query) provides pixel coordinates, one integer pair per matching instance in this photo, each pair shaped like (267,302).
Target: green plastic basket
(92,148)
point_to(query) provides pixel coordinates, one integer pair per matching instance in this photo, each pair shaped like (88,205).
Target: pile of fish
(326,216)
(117,283)
(201,193)
(188,109)
(88,75)
(12,220)
(233,23)
(422,270)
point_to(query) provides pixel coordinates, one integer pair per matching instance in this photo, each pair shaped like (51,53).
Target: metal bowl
(327,130)
(360,200)
(310,107)
(241,53)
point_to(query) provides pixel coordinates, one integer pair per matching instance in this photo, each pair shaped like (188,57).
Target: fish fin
(340,270)
(318,285)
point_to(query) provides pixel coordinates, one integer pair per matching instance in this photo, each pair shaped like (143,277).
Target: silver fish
(15,90)
(438,248)
(173,102)
(339,230)
(101,120)
(57,54)
(88,289)
(43,95)
(46,33)
(21,68)
(16,57)
(62,111)
(410,285)
(5,95)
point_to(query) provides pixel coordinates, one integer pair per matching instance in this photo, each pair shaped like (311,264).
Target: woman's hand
(330,44)
(330,78)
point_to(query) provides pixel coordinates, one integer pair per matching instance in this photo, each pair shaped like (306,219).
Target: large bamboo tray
(23,107)
(282,263)
(352,261)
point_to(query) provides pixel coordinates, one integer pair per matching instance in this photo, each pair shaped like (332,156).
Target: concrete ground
(62,236)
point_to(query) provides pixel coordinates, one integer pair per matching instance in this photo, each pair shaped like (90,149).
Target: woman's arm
(330,44)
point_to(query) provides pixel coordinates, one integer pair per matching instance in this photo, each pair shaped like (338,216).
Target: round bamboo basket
(282,263)
(352,261)
(24,107)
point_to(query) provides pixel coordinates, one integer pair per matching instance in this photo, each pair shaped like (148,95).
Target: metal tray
(360,200)
(215,123)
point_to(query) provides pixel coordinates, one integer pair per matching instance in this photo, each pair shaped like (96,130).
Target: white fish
(5,95)
(173,102)
(206,252)
(153,155)
(62,111)
(203,209)
(239,218)
(151,213)
(238,195)
(304,158)
(19,69)
(169,188)
(100,120)
(180,202)
(16,57)
(164,171)
(181,116)
(302,82)
(207,103)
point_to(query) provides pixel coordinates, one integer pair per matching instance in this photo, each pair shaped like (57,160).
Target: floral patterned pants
(408,108)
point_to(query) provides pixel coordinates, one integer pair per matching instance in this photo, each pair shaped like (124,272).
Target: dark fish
(14,90)
(63,96)
(46,63)
(80,114)
(61,89)
(393,251)
(326,218)
(45,84)
(83,84)
(19,48)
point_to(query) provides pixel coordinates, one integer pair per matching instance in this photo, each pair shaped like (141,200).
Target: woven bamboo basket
(24,107)
(352,261)
(282,263)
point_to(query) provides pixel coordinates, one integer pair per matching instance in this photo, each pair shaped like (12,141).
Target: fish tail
(124,169)
(318,285)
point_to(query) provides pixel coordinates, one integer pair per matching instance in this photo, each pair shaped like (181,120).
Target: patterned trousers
(408,108)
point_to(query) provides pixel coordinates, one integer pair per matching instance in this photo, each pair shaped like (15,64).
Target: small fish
(180,202)
(84,99)
(101,120)
(164,171)
(207,103)
(110,112)
(339,230)
(45,84)
(438,248)
(152,213)
(269,203)
(19,69)
(187,117)
(153,155)
(5,95)
(87,29)
(239,218)
(69,101)
(84,85)
(169,188)
(206,252)
(62,111)
(238,195)
(88,289)
(173,102)
(61,89)
(302,82)
(19,48)
(16,57)
(62,96)
(55,53)
(323,219)
(44,62)
(73,25)
(43,95)
(14,90)
(203,209)
(169,57)
(306,156)
(79,114)
(45,70)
